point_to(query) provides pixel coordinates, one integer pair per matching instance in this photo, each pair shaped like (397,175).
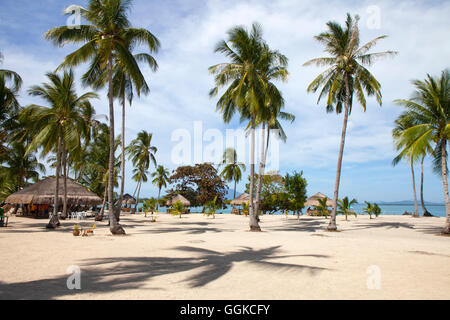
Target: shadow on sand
(109,275)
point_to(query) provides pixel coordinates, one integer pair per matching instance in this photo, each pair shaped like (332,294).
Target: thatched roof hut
(312,201)
(127,199)
(43,192)
(243,198)
(185,202)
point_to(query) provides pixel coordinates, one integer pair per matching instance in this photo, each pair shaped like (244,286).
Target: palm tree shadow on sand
(124,273)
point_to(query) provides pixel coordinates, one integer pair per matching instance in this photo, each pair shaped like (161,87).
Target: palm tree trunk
(425,211)
(261,169)
(332,225)
(234,193)
(99,217)
(64,160)
(137,196)
(54,221)
(122,182)
(159,196)
(114,226)
(416,208)
(444,181)
(253,221)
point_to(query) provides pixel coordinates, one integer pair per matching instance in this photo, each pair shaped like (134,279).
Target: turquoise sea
(436,210)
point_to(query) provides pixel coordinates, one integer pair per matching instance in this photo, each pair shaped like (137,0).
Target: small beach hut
(243,198)
(43,193)
(127,200)
(313,200)
(185,202)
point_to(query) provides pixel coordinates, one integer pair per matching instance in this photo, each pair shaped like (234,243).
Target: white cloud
(189,31)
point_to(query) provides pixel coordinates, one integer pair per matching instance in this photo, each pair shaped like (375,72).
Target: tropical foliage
(345,207)
(107,39)
(428,110)
(372,209)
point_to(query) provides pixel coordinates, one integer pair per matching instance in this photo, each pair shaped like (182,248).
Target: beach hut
(243,198)
(43,193)
(127,201)
(312,201)
(185,202)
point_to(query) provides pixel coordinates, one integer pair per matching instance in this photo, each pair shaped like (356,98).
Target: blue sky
(189,30)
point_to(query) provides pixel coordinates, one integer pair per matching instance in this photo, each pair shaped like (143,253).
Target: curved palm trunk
(253,221)
(122,182)
(99,217)
(261,170)
(425,211)
(54,221)
(137,196)
(159,196)
(114,226)
(64,160)
(332,225)
(444,181)
(416,208)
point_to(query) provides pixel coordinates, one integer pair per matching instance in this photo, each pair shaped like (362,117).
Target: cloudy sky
(189,30)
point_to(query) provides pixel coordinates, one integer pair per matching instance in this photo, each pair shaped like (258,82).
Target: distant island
(409,203)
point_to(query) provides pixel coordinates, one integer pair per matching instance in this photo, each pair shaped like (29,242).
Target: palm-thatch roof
(43,192)
(243,198)
(127,199)
(313,200)
(185,202)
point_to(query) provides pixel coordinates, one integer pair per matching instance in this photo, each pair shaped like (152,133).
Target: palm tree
(426,213)
(61,126)
(345,206)
(107,37)
(345,76)
(141,153)
(232,168)
(322,208)
(10,84)
(249,84)
(408,149)
(20,166)
(160,179)
(372,209)
(429,107)
(124,87)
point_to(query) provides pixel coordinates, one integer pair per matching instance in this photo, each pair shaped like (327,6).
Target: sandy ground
(391,257)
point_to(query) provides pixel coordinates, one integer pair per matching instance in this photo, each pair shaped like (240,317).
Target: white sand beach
(203,258)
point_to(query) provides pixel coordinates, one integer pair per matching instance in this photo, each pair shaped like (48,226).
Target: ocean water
(435,210)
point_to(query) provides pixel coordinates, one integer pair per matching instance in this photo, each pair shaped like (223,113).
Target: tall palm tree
(124,88)
(346,75)
(141,153)
(61,126)
(429,107)
(107,37)
(140,174)
(408,149)
(248,85)
(160,179)
(426,213)
(232,170)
